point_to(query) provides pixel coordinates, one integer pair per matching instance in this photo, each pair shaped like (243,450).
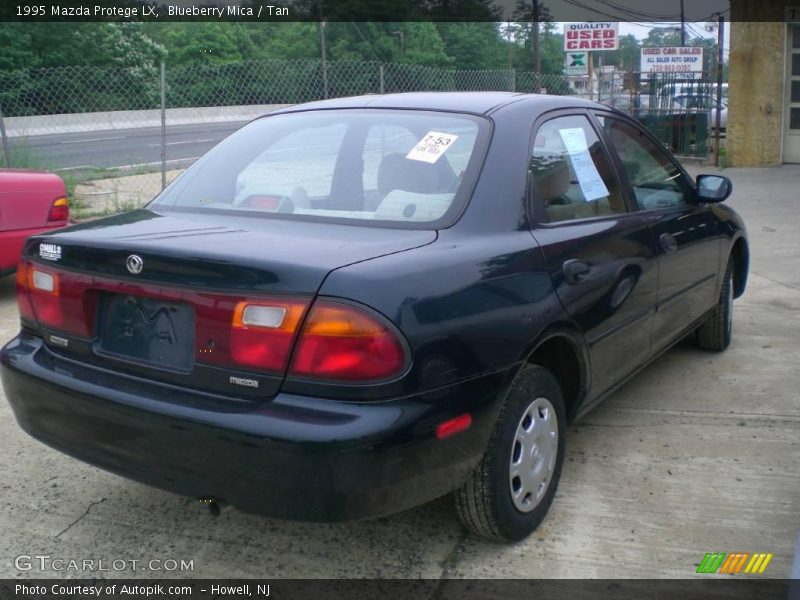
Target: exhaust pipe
(215,505)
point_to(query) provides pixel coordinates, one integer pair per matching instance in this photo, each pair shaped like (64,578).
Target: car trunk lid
(154,295)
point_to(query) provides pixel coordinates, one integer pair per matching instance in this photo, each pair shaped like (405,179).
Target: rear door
(687,232)
(600,254)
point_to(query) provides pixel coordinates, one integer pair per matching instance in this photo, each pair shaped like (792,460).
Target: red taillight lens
(23,293)
(262,332)
(55,299)
(59,211)
(341,342)
(44,291)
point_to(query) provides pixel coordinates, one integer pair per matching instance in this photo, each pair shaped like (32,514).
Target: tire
(715,333)
(497,503)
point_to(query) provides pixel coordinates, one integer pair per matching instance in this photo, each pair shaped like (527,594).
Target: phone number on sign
(671,69)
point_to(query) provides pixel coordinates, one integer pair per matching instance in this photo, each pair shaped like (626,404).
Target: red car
(30,202)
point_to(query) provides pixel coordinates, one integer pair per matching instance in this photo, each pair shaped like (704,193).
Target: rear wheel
(715,333)
(510,491)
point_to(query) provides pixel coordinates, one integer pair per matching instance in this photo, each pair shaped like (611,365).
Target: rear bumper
(292,457)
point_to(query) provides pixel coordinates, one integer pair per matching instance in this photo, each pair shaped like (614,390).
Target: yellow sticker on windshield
(431,147)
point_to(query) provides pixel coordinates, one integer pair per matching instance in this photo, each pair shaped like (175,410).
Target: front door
(791,138)
(600,254)
(686,232)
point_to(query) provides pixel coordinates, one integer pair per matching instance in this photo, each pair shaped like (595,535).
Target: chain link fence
(121,133)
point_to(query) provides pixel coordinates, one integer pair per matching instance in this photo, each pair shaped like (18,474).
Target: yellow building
(764,88)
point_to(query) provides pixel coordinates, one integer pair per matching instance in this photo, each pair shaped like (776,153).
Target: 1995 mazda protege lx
(351,307)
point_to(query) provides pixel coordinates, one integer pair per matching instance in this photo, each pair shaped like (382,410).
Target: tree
(474,45)
(662,36)
(17,45)
(284,41)
(628,56)
(206,43)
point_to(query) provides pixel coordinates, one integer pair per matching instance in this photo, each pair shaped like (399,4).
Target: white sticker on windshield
(589,179)
(431,147)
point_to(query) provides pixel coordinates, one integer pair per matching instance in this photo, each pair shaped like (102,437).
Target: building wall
(757,75)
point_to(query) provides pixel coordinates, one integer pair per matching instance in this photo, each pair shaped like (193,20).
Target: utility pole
(324,59)
(683,25)
(537,59)
(720,58)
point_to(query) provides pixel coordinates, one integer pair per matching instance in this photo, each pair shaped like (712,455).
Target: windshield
(392,166)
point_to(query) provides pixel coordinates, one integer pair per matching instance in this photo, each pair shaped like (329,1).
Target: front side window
(657,182)
(397,166)
(573,178)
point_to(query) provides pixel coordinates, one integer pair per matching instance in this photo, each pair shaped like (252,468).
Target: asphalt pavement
(126,148)
(698,453)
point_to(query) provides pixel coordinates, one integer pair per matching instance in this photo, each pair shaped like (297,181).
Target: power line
(594,10)
(634,12)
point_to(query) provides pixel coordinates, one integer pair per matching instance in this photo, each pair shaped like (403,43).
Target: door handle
(668,243)
(575,271)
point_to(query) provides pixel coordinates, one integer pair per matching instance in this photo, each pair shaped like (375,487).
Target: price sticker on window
(431,147)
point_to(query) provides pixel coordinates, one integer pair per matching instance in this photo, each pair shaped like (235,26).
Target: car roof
(470,102)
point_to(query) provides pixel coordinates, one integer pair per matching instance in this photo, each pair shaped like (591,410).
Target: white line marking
(177,143)
(102,139)
(156,162)
(128,167)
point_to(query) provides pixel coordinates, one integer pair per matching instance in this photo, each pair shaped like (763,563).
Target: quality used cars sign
(591,36)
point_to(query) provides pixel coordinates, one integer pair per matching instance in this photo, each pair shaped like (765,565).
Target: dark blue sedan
(352,307)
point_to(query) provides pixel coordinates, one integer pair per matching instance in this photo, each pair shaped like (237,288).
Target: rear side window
(405,167)
(573,178)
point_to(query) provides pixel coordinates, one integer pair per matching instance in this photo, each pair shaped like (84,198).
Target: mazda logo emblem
(135,264)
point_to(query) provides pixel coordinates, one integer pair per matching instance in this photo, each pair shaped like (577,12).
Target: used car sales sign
(673,59)
(591,36)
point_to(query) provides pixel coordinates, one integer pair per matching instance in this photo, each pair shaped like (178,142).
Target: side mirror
(713,188)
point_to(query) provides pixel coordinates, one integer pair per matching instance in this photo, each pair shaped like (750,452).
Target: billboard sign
(591,36)
(672,59)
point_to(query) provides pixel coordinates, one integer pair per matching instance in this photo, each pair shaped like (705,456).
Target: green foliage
(474,45)
(207,43)
(662,36)
(17,45)
(628,57)
(82,44)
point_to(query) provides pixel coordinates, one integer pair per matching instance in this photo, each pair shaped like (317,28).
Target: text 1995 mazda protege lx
(351,307)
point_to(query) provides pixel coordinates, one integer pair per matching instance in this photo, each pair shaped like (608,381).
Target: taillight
(59,211)
(262,332)
(44,291)
(23,293)
(344,343)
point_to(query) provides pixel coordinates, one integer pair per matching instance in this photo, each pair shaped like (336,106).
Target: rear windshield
(402,167)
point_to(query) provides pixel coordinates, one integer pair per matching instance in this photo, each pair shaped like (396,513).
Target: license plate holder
(148,331)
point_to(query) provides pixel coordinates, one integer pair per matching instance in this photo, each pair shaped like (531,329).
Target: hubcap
(533,455)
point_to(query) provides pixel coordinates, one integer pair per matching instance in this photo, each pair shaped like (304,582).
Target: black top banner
(387,10)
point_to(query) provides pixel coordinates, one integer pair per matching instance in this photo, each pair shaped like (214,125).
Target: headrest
(553,180)
(396,172)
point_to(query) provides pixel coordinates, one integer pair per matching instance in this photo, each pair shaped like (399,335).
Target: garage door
(791,143)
